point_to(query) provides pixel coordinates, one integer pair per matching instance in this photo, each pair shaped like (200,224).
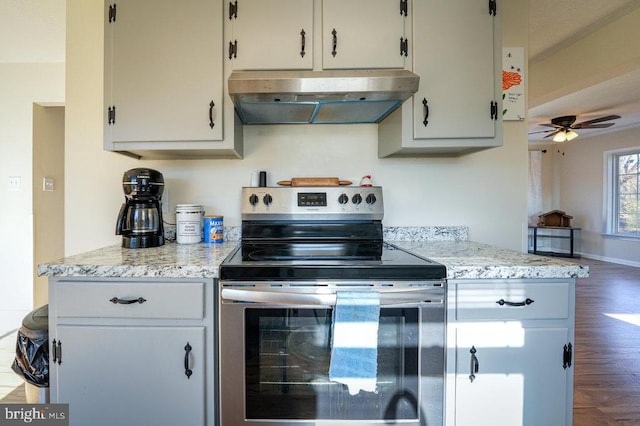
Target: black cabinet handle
(56,351)
(118,301)
(334,33)
(527,302)
(567,356)
(302,42)
(187,370)
(475,365)
(211,123)
(426,112)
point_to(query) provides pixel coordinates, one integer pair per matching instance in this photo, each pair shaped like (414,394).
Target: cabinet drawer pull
(475,364)
(118,301)
(302,42)
(527,302)
(187,370)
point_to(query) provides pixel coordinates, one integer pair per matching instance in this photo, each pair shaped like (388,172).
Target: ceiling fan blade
(594,126)
(543,131)
(550,135)
(550,125)
(595,120)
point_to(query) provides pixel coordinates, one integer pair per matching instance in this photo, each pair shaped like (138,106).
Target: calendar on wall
(513,99)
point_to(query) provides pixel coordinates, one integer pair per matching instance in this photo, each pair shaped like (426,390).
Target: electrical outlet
(47,184)
(165,201)
(14,183)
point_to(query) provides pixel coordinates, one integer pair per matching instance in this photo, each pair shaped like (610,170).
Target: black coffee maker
(140,218)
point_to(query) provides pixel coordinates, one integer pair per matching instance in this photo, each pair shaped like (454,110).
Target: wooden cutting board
(314,181)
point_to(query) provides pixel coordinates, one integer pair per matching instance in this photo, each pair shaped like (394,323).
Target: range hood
(319,97)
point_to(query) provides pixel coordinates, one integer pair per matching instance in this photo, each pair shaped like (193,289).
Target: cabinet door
(520,379)
(163,71)
(131,375)
(454,56)
(269,35)
(367,34)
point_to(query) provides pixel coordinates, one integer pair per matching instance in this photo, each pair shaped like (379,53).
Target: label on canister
(213,229)
(189,223)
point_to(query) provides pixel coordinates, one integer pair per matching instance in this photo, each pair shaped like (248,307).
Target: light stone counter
(469,260)
(447,245)
(170,260)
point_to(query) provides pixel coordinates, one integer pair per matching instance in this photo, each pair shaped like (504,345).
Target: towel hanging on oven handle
(323,299)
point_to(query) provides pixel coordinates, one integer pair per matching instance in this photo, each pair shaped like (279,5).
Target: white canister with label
(189,223)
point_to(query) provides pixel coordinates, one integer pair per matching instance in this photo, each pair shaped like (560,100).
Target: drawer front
(100,299)
(512,301)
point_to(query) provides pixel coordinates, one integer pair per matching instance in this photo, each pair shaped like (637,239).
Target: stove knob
(356,199)
(267,199)
(371,199)
(253,199)
(343,199)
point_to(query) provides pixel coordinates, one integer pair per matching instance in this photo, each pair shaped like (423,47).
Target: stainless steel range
(301,247)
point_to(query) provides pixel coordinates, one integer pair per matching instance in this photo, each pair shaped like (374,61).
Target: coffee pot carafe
(140,217)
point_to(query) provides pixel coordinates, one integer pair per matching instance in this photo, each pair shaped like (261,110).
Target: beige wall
(580,172)
(21,84)
(48,206)
(486,191)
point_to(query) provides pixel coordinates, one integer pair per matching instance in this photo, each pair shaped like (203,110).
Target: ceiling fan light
(561,136)
(571,135)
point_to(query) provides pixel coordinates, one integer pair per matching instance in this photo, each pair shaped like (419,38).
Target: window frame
(612,191)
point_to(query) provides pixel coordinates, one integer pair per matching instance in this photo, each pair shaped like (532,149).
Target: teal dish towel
(354,349)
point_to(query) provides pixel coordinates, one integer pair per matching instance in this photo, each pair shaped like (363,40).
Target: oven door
(275,354)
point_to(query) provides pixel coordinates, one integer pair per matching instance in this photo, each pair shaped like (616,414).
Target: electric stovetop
(389,263)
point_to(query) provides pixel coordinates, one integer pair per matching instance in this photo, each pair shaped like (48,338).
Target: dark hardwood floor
(607,346)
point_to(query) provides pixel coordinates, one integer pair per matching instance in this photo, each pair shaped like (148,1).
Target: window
(623,198)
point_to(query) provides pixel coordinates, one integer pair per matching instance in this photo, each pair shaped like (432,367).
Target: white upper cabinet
(455,62)
(364,34)
(164,86)
(271,34)
(456,52)
(279,34)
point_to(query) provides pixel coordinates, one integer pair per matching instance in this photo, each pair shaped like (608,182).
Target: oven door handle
(314,299)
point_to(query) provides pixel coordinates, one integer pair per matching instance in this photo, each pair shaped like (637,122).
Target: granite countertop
(469,260)
(170,260)
(447,245)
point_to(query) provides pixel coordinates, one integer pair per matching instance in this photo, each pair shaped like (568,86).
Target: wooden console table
(537,233)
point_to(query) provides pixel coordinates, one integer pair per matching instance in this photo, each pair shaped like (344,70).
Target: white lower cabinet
(132,375)
(509,358)
(133,352)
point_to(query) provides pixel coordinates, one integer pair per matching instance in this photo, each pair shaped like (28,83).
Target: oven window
(287,367)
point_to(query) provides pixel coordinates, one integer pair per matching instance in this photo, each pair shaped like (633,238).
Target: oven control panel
(313,203)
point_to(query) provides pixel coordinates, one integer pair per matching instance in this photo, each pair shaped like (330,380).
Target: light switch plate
(14,183)
(47,184)
(165,201)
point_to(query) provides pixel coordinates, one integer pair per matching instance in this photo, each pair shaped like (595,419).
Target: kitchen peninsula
(510,316)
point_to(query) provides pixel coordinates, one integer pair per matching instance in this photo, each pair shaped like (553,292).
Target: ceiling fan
(564,127)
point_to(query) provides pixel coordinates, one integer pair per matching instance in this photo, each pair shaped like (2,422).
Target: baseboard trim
(611,259)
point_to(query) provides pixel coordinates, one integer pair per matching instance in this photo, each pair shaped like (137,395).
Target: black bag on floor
(32,348)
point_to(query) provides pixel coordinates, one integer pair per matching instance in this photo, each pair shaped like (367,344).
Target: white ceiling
(557,24)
